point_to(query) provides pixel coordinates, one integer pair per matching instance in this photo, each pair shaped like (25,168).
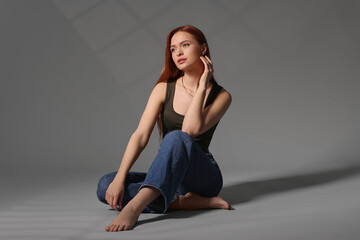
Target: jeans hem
(158,188)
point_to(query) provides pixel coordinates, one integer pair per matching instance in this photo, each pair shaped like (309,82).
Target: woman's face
(186,51)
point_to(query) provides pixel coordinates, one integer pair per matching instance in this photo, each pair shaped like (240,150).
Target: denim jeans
(180,166)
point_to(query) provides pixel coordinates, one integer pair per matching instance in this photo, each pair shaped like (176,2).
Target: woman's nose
(179,52)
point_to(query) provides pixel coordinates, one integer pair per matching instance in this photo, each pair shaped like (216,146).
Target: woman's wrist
(119,179)
(201,88)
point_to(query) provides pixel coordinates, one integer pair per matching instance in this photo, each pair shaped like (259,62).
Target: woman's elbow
(191,132)
(142,138)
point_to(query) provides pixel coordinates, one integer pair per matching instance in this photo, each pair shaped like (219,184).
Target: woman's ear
(204,49)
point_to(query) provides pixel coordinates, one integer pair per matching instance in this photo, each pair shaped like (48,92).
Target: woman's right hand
(115,194)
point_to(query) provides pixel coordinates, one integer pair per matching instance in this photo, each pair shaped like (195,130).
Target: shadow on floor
(248,191)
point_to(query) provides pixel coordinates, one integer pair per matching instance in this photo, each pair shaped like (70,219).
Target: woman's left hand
(208,71)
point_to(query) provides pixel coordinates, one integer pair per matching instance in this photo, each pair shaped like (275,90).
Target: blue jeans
(180,166)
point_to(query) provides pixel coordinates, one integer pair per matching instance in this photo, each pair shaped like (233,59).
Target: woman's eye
(185,45)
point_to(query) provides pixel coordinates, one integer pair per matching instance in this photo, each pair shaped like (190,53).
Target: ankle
(180,201)
(135,207)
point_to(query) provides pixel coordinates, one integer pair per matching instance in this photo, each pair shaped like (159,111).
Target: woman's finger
(110,201)
(210,63)
(120,200)
(107,197)
(207,58)
(205,62)
(115,203)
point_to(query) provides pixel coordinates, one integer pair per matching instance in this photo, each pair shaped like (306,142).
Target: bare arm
(140,137)
(137,142)
(193,119)
(198,120)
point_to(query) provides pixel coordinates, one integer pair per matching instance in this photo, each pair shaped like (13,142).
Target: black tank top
(171,120)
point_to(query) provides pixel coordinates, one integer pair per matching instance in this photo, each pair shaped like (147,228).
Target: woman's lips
(181,60)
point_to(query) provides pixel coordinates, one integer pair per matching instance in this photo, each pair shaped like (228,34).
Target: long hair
(170,71)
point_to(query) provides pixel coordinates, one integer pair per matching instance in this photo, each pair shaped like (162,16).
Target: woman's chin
(184,67)
(181,68)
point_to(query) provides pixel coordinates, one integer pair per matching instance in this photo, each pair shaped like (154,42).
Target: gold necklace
(182,80)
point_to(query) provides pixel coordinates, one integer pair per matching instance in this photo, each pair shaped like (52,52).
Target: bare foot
(218,202)
(126,219)
(193,201)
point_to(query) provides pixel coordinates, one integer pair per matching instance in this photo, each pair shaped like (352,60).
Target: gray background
(76,75)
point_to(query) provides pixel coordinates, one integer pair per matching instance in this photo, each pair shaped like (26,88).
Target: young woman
(187,105)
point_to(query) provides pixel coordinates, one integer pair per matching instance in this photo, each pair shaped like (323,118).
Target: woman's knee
(103,185)
(175,140)
(177,136)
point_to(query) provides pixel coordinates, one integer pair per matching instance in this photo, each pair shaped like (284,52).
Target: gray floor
(316,205)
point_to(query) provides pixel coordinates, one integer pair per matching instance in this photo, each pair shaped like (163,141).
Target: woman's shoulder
(223,94)
(224,91)
(221,90)
(160,87)
(159,91)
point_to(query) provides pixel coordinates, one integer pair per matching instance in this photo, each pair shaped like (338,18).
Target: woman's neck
(191,79)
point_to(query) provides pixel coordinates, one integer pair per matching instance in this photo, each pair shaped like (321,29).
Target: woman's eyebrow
(181,42)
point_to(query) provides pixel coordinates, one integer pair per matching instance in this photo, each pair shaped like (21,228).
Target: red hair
(170,71)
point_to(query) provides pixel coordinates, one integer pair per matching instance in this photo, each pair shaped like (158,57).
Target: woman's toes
(228,206)
(112,228)
(221,203)
(107,228)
